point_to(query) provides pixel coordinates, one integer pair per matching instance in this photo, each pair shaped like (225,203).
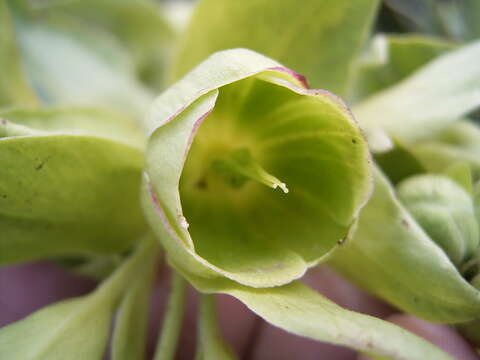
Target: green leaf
(290,137)
(417,14)
(81,66)
(210,345)
(455,19)
(445,211)
(428,100)
(461,173)
(300,310)
(14,88)
(471,16)
(100,122)
(66,195)
(398,163)
(73,329)
(139,25)
(390,59)
(471,331)
(458,143)
(476,201)
(318,38)
(168,337)
(96,267)
(129,336)
(401,264)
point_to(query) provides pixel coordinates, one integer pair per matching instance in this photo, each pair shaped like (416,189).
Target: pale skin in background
(24,288)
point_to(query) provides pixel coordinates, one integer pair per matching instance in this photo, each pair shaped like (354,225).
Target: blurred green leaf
(317,38)
(100,122)
(459,142)
(73,329)
(471,331)
(401,264)
(445,211)
(14,88)
(139,25)
(418,15)
(298,309)
(82,66)
(398,163)
(66,194)
(429,100)
(390,59)
(471,17)
(461,173)
(454,19)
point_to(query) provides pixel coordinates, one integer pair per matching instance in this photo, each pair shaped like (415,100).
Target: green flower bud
(445,211)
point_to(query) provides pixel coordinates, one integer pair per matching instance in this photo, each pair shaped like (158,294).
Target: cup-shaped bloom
(250,175)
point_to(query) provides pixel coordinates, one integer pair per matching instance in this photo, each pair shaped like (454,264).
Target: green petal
(318,38)
(240,228)
(401,264)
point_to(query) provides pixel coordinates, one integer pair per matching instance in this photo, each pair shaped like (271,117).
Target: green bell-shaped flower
(222,140)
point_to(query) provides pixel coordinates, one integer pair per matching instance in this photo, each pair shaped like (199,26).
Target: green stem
(210,344)
(168,337)
(128,341)
(115,285)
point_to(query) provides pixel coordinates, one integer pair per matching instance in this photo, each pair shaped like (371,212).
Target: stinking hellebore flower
(249,175)
(251,178)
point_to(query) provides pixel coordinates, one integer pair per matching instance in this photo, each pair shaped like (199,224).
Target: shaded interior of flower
(238,166)
(260,137)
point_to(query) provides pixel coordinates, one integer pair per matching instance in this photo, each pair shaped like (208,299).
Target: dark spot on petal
(40,166)
(405,223)
(202,184)
(354,141)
